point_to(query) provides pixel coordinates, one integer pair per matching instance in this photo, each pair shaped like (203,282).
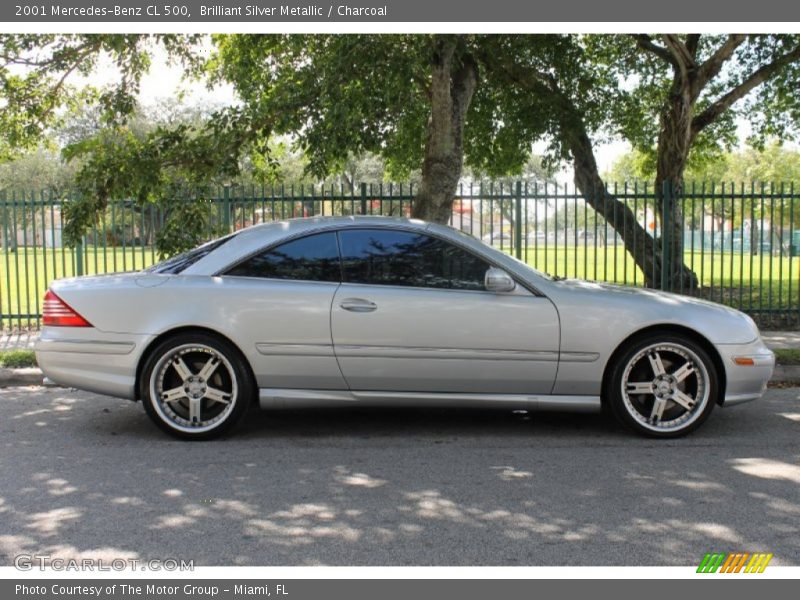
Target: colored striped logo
(734,562)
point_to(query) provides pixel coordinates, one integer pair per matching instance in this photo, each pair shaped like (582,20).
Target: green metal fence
(741,241)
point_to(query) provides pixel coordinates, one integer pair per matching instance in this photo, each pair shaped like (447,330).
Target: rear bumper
(746,382)
(91,360)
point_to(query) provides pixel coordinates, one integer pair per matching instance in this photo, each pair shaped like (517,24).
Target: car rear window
(310,258)
(180,262)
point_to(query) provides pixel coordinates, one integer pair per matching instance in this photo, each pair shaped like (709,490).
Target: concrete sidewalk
(773,339)
(18,341)
(781,339)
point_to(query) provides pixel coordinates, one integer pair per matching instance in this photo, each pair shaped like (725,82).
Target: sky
(164,81)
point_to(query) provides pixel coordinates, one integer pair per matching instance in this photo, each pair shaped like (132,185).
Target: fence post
(79,258)
(3,200)
(666,235)
(518,220)
(363,198)
(226,208)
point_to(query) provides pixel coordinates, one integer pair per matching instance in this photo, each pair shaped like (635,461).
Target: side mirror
(497,280)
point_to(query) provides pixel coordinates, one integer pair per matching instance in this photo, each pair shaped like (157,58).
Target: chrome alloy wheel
(194,388)
(665,387)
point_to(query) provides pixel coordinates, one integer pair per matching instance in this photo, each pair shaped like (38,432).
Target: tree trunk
(674,142)
(643,247)
(638,242)
(453,82)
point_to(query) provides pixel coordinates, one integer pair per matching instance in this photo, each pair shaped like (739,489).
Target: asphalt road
(87,476)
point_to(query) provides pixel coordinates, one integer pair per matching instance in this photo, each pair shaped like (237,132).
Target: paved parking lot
(83,475)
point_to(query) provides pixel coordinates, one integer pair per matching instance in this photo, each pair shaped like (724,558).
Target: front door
(412,315)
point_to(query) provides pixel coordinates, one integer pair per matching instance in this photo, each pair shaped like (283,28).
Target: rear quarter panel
(282,328)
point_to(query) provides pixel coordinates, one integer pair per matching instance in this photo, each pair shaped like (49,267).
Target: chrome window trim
(292,238)
(393,227)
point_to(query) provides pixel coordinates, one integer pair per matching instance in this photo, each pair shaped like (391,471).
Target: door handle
(358,305)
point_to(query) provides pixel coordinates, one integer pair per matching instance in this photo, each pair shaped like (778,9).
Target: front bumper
(748,368)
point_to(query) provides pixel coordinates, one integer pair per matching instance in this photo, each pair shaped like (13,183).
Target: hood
(640,292)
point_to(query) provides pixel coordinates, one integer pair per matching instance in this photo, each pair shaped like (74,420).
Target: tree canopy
(36,72)
(431,103)
(774,163)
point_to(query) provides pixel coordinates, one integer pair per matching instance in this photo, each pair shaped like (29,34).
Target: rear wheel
(664,385)
(195,386)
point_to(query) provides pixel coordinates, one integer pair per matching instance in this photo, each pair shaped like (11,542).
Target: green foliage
(535,172)
(336,108)
(41,169)
(527,81)
(772,107)
(161,166)
(36,72)
(632,166)
(340,95)
(17,359)
(108,144)
(187,224)
(772,163)
(743,171)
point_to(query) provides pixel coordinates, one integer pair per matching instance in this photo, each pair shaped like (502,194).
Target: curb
(786,373)
(34,376)
(17,377)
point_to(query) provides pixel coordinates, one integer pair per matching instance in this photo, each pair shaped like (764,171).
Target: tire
(196,386)
(663,385)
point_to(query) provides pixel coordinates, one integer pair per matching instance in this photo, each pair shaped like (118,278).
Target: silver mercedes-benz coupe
(381,311)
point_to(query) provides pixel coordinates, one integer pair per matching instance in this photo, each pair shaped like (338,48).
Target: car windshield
(178,263)
(515,259)
(534,270)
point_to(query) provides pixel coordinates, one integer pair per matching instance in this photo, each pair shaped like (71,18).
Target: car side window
(311,258)
(391,257)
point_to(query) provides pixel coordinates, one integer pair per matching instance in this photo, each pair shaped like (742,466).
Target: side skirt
(272,398)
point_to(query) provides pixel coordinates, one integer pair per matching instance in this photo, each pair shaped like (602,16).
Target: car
(378,311)
(536,237)
(497,238)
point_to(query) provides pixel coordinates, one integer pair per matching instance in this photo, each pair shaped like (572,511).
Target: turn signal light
(744,361)
(57,313)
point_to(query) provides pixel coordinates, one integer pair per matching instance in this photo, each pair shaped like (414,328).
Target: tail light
(57,313)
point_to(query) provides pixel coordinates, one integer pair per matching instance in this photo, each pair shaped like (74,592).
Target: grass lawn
(17,359)
(787,356)
(752,283)
(748,282)
(25,274)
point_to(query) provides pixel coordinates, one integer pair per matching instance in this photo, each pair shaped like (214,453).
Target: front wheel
(195,386)
(664,385)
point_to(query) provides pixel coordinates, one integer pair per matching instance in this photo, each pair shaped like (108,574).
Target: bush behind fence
(742,241)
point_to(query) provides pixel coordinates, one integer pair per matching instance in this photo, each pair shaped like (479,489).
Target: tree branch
(692,43)
(56,89)
(710,114)
(645,42)
(683,59)
(713,65)
(526,77)
(58,56)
